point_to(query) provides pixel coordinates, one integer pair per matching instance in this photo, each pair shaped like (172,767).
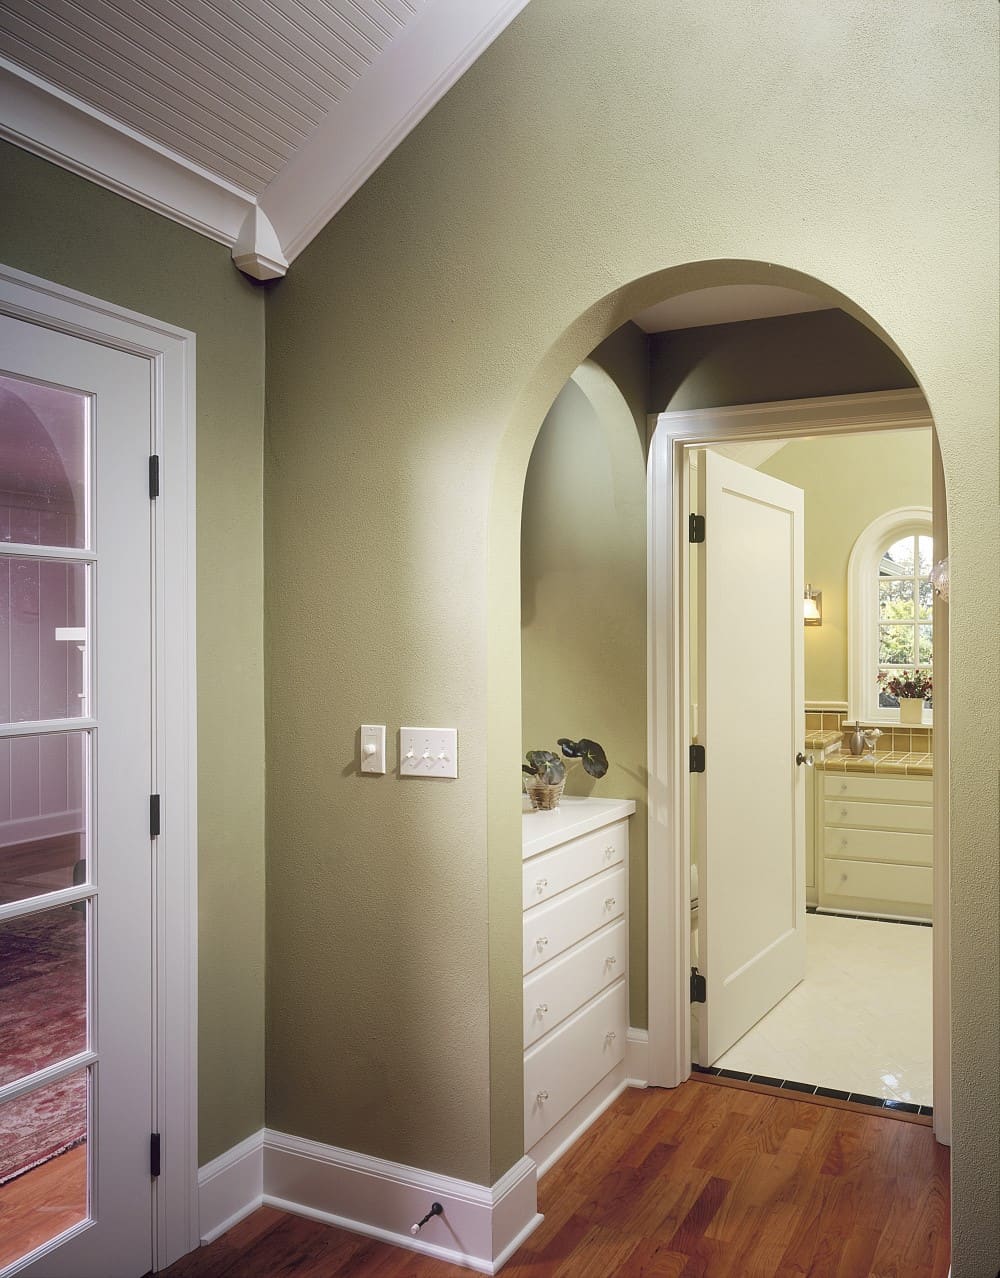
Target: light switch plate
(428,752)
(373,747)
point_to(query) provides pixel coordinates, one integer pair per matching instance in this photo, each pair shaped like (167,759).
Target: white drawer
(879,845)
(910,884)
(571,1060)
(558,989)
(846,785)
(553,872)
(550,929)
(878,816)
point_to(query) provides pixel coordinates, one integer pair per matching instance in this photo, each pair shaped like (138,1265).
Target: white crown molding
(266,231)
(481,1227)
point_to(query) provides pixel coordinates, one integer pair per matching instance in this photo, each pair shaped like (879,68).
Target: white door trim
(171,353)
(668,734)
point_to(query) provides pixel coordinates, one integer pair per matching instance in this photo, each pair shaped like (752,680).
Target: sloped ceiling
(251,121)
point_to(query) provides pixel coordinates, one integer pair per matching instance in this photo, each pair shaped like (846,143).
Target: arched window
(891,609)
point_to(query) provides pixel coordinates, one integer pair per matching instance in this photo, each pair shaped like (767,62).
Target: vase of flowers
(911,688)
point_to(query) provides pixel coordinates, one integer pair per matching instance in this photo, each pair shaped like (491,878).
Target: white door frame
(668,735)
(171,355)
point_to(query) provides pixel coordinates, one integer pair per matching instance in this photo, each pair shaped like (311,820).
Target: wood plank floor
(699,1182)
(42,1203)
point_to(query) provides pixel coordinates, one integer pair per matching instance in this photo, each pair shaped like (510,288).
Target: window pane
(895,600)
(43,1165)
(43,463)
(898,559)
(926,598)
(926,645)
(43,990)
(43,813)
(43,612)
(895,645)
(925,555)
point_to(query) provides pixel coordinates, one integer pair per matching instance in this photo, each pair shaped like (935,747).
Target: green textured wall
(583,595)
(848,480)
(58,226)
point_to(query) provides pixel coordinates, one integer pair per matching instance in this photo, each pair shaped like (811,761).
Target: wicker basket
(544,797)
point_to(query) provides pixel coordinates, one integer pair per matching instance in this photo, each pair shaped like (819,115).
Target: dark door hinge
(154,476)
(154,1154)
(696,529)
(154,815)
(696,758)
(698,988)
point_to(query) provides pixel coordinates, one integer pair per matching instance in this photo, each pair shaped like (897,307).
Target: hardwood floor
(699,1182)
(42,1203)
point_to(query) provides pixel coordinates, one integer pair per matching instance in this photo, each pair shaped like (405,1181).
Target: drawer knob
(843,843)
(843,812)
(843,878)
(611,960)
(542,1008)
(541,1097)
(541,942)
(610,1037)
(609,850)
(843,787)
(610,903)
(542,884)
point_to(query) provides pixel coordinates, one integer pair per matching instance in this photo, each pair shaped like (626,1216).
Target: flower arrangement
(906,684)
(545,773)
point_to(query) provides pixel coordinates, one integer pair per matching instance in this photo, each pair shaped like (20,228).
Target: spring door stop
(436,1210)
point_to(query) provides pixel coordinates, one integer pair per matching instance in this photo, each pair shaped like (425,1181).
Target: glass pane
(895,600)
(898,559)
(43,1165)
(43,990)
(926,645)
(43,813)
(895,645)
(43,463)
(926,598)
(925,556)
(43,614)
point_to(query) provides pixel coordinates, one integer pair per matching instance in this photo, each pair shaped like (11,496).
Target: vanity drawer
(550,929)
(878,816)
(879,845)
(550,873)
(910,884)
(559,988)
(841,785)
(571,1060)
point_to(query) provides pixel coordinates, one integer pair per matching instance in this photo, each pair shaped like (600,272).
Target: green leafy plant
(915,684)
(548,768)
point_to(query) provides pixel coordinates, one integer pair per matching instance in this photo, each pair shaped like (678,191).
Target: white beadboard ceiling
(252,121)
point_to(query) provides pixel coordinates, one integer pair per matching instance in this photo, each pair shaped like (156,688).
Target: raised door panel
(551,929)
(558,989)
(547,875)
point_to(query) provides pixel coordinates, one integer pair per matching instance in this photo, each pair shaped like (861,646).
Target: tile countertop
(895,763)
(573,817)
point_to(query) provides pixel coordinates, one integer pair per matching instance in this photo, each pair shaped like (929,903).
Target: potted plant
(911,688)
(547,772)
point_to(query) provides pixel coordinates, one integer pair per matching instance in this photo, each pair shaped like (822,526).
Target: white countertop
(573,817)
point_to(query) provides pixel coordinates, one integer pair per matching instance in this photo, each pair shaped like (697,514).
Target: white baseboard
(480,1227)
(637,1057)
(231,1187)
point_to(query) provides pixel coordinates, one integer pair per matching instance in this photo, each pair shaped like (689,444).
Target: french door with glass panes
(76,760)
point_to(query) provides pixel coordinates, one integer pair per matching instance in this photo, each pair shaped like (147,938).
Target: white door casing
(158,949)
(751,797)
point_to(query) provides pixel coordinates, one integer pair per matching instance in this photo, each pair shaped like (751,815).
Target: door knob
(801,758)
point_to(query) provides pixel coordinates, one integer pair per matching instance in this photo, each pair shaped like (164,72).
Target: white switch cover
(428,752)
(373,747)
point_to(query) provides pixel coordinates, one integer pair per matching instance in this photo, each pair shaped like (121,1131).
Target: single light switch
(373,747)
(428,752)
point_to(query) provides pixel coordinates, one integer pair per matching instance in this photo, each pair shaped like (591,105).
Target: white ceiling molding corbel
(257,251)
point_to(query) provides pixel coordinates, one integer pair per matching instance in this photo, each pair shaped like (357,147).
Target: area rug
(42,1021)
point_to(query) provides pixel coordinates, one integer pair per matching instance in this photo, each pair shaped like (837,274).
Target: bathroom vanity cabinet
(575,931)
(876,843)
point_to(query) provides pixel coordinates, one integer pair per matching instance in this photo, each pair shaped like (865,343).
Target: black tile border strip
(811,1089)
(866,918)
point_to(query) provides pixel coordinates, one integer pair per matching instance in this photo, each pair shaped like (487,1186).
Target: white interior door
(76,761)
(750,800)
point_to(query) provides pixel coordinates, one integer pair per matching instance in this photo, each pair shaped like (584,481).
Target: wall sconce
(812,608)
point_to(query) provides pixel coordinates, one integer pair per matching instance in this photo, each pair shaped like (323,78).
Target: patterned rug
(42,1021)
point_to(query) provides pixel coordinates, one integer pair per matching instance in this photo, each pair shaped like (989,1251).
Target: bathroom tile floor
(861,1019)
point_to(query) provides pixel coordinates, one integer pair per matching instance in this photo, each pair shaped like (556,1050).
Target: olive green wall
(848,480)
(583,595)
(565,182)
(58,226)
(786,357)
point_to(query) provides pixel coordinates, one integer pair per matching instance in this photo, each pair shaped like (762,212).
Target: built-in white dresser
(575,895)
